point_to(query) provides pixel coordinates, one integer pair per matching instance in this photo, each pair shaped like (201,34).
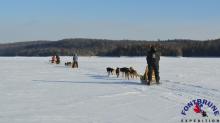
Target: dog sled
(144,78)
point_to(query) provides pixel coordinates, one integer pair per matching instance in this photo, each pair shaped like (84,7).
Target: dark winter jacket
(75,58)
(153,57)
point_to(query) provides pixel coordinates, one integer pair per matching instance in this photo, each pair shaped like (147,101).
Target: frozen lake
(35,91)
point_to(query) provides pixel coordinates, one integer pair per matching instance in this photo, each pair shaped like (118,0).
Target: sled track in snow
(171,90)
(192,89)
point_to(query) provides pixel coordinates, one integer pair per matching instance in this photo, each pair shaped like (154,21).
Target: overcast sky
(27,20)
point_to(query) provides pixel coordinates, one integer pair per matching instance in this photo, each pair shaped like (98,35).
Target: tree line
(103,47)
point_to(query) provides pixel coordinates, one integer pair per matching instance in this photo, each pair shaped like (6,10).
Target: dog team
(124,71)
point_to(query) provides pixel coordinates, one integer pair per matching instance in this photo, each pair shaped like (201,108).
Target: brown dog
(133,73)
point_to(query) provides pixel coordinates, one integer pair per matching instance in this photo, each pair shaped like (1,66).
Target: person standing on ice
(153,58)
(53,59)
(75,61)
(57,59)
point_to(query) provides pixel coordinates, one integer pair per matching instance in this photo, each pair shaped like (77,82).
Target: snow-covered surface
(34,91)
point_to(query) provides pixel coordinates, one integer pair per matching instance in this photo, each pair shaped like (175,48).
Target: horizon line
(109,40)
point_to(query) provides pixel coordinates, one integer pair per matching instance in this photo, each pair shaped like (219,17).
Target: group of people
(56,59)
(153,58)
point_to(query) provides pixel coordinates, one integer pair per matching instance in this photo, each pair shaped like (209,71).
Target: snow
(35,91)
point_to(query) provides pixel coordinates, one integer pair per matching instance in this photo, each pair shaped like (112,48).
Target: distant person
(153,58)
(53,59)
(57,59)
(75,61)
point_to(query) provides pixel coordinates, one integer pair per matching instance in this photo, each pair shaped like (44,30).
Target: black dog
(117,71)
(68,63)
(110,70)
(125,72)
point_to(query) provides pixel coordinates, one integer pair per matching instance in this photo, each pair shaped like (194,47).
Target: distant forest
(102,47)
